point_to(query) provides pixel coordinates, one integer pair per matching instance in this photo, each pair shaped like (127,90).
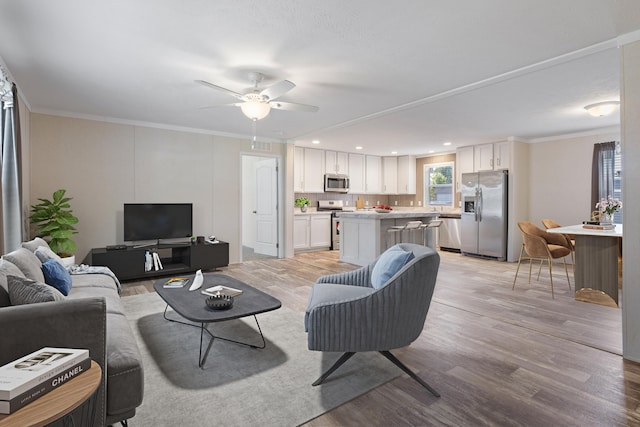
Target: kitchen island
(596,258)
(364,236)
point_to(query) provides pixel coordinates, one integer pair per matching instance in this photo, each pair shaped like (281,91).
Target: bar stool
(428,229)
(396,230)
(411,227)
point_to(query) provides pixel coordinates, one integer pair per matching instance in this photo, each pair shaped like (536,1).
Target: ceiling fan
(257,103)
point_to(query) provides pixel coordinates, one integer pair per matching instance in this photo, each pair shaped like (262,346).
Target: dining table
(596,257)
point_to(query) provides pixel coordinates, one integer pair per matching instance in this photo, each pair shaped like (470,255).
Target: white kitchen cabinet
(301,232)
(356,173)
(483,157)
(336,162)
(464,164)
(312,171)
(298,169)
(373,169)
(406,175)
(311,232)
(390,175)
(320,231)
(501,155)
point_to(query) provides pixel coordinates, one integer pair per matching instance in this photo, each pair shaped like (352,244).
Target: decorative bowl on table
(219,302)
(382,209)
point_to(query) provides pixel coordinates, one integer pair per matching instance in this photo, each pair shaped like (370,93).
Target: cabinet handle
(498,161)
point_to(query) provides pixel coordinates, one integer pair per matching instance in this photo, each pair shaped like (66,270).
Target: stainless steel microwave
(336,183)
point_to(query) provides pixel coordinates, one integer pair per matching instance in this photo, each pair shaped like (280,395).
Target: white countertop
(578,229)
(310,211)
(394,214)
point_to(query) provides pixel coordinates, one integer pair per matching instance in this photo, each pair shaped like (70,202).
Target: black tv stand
(159,244)
(176,258)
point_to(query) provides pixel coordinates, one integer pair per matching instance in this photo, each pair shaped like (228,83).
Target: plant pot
(303,208)
(68,261)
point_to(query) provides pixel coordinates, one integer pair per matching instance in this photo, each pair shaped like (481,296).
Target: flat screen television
(155,221)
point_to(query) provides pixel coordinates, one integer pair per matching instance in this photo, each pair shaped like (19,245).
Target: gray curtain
(10,187)
(602,172)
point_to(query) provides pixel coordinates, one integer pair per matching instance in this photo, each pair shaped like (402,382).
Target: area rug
(240,386)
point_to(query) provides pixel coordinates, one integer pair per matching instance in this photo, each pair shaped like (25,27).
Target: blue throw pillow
(57,276)
(389,263)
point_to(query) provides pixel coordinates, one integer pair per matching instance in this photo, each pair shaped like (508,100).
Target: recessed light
(359,147)
(315,141)
(394,152)
(431,151)
(447,143)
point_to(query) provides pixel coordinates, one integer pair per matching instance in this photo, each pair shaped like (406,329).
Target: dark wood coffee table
(192,306)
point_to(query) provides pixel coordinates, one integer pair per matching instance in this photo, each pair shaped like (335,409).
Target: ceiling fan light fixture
(255,110)
(600,109)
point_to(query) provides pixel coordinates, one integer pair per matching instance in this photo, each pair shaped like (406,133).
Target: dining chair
(538,244)
(571,239)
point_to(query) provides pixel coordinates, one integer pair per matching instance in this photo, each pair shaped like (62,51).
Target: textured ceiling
(403,76)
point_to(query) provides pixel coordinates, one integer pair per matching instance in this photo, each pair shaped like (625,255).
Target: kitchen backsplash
(349,200)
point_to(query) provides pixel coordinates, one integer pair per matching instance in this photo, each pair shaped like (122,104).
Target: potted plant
(302,203)
(54,219)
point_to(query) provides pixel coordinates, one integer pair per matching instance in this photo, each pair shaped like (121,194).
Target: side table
(60,402)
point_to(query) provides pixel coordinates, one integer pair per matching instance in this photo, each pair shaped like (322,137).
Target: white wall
(248,200)
(630,89)
(560,178)
(104,165)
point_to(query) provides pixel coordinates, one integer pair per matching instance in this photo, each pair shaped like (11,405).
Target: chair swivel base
(346,356)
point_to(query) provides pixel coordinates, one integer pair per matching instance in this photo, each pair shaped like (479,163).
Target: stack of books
(176,282)
(595,225)
(34,375)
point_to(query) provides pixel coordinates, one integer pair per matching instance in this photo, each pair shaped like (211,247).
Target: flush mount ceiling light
(600,109)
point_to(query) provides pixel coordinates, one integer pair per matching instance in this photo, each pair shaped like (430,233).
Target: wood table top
(58,402)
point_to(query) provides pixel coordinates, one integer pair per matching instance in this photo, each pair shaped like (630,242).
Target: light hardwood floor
(498,357)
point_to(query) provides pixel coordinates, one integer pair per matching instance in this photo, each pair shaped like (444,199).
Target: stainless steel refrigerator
(484,214)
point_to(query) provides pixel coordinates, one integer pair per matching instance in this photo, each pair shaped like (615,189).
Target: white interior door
(266,207)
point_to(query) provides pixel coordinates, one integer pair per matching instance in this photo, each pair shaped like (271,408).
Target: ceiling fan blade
(221,89)
(278,89)
(233,104)
(293,106)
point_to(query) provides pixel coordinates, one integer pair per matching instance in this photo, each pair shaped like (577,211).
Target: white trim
(628,38)
(599,131)
(148,124)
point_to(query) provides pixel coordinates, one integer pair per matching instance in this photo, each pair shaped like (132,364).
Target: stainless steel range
(334,206)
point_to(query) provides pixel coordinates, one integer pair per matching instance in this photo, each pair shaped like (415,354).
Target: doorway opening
(260,213)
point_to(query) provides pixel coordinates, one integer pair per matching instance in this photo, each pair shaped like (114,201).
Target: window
(617,183)
(438,184)
(607,174)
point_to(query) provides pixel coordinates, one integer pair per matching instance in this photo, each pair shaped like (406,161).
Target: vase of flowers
(607,208)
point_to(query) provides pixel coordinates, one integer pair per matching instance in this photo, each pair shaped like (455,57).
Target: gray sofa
(91,316)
